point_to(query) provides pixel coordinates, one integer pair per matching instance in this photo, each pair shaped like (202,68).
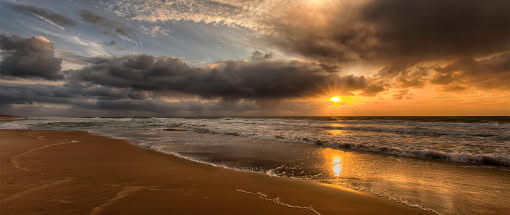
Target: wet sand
(72,172)
(7,118)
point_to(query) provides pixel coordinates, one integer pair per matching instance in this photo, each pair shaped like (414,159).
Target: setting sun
(335,99)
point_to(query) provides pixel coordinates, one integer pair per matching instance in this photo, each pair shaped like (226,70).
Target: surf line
(125,192)
(277,201)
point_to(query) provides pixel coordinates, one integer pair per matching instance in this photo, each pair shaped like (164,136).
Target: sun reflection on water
(336,132)
(337,165)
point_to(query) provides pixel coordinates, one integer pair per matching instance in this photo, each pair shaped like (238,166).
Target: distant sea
(447,165)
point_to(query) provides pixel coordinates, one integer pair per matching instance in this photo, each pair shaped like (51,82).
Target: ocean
(446,165)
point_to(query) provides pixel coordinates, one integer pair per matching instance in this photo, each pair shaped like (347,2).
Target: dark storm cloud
(256,79)
(386,29)
(139,84)
(109,26)
(28,94)
(67,94)
(434,28)
(29,58)
(56,18)
(104,99)
(402,35)
(80,104)
(491,73)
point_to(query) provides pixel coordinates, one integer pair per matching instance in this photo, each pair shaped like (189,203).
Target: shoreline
(6,118)
(93,174)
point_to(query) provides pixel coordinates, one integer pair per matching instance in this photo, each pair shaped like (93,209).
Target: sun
(335,99)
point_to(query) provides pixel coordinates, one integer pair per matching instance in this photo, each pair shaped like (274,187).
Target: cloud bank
(29,58)
(229,80)
(142,82)
(396,30)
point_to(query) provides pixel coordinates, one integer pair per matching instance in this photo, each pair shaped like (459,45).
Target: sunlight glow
(335,99)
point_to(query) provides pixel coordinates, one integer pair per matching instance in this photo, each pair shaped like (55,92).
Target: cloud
(49,15)
(402,94)
(141,84)
(489,73)
(409,40)
(32,100)
(27,94)
(405,76)
(440,28)
(87,100)
(229,80)
(29,58)
(109,26)
(395,31)
(231,12)
(257,55)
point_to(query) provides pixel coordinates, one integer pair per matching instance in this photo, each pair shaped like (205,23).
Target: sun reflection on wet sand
(337,165)
(334,161)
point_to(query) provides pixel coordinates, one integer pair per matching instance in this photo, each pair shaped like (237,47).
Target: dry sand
(72,172)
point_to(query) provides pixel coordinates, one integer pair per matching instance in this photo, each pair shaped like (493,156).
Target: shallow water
(444,165)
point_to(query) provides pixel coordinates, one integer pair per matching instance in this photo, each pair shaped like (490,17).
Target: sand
(8,118)
(73,172)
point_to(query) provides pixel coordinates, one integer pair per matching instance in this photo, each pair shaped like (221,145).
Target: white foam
(276,200)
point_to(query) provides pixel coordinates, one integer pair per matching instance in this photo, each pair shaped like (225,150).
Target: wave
(452,119)
(486,159)
(417,129)
(485,144)
(429,154)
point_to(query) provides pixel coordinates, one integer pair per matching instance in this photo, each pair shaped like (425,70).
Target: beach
(73,172)
(5,118)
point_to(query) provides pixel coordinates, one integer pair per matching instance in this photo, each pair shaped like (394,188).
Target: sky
(254,57)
